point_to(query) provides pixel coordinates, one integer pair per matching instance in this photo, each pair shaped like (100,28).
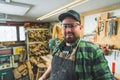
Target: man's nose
(68,29)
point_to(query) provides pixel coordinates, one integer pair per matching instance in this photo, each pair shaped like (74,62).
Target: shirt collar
(62,44)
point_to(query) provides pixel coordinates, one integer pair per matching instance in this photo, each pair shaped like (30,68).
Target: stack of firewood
(37,46)
(37,35)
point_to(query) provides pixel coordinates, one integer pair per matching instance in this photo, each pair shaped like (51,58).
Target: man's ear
(81,27)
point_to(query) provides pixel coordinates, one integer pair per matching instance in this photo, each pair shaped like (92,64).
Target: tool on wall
(113,67)
(98,25)
(115,55)
(102,26)
(112,27)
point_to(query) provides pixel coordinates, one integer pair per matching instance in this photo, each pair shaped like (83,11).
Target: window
(21,33)
(8,33)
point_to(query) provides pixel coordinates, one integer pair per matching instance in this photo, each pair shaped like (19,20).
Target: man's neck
(69,44)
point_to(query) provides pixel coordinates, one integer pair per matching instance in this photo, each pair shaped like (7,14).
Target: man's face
(70,30)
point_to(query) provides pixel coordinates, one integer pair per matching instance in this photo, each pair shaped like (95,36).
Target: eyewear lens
(70,25)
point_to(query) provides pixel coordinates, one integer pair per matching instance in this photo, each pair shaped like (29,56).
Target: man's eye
(67,25)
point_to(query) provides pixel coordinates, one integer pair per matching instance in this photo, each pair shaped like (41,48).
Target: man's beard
(71,39)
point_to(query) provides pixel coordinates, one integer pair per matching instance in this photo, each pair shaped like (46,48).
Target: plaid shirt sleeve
(100,67)
(91,63)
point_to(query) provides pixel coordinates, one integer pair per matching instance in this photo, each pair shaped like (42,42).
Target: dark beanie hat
(71,13)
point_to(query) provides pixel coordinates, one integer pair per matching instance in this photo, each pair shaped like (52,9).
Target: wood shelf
(36,29)
(35,42)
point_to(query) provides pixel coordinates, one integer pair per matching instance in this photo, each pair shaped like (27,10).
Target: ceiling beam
(117,6)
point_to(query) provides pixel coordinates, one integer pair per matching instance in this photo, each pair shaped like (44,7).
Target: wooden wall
(103,37)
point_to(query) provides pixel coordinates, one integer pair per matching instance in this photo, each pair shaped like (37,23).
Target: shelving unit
(37,45)
(34,39)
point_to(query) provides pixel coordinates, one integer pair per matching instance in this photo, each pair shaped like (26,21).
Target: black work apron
(63,66)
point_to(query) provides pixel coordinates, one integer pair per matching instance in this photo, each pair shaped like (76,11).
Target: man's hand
(42,79)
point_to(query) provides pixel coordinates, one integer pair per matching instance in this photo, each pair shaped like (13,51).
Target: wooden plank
(82,23)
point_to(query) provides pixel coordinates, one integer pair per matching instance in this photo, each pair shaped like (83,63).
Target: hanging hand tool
(112,27)
(102,26)
(109,28)
(113,67)
(115,56)
(114,24)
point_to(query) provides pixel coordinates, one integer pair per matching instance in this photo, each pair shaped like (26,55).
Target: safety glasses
(70,25)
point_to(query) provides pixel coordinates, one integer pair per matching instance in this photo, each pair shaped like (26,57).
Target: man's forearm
(46,75)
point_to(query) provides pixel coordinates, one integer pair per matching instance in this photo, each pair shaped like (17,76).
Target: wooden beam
(82,23)
(117,6)
(82,19)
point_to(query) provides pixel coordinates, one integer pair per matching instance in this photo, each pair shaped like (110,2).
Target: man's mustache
(69,33)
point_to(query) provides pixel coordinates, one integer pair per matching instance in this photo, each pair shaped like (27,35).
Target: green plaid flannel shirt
(90,63)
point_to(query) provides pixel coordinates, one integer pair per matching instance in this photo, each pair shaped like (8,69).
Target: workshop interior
(29,29)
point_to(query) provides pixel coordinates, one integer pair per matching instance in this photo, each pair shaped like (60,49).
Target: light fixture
(13,8)
(64,8)
(4,18)
(49,15)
